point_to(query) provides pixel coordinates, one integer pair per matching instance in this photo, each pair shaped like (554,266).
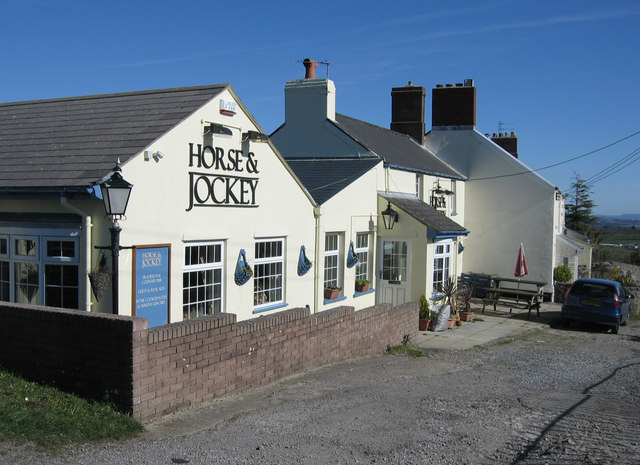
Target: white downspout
(316,273)
(88,225)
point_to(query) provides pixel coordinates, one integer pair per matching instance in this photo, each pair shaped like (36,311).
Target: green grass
(50,418)
(406,349)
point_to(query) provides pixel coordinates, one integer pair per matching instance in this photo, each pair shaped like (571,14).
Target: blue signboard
(151,284)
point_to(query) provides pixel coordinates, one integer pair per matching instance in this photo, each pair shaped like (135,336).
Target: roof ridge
(117,94)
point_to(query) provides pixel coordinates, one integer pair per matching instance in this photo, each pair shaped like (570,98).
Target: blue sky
(563,75)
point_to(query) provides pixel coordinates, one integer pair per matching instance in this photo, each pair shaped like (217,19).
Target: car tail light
(616,300)
(566,296)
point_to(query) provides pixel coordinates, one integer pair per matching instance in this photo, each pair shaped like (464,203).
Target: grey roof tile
(434,220)
(395,148)
(323,178)
(74,142)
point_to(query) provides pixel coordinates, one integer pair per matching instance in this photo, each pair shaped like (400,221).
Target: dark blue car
(597,301)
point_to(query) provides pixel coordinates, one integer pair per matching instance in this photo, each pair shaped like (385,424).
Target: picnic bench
(510,291)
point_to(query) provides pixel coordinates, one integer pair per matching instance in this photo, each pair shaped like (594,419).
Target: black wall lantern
(115,192)
(389,216)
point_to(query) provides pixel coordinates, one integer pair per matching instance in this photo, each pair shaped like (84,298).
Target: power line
(559,163)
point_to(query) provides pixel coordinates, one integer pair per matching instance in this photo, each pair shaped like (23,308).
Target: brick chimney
(407,111)
(454,106)
(507,141)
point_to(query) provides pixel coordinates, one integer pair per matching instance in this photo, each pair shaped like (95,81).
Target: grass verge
(51,418)
(407,349)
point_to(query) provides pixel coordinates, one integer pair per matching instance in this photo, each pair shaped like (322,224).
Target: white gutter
(87,253)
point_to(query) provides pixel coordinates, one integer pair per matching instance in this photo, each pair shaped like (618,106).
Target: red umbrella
(521,264)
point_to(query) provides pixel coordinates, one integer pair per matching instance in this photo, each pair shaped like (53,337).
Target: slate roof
(72,143)
(325,177)
(437,223)
(396,149)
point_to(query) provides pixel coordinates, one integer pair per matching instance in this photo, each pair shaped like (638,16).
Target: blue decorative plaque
(151,290)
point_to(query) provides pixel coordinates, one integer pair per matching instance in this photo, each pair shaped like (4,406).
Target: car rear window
(594,290)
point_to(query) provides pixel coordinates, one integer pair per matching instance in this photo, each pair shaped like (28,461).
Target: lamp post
(389,216)
(115,192)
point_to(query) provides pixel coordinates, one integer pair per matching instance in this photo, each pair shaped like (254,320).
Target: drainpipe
(87,253)
(316,273)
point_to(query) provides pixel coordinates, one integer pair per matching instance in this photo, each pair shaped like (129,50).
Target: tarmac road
(540,394)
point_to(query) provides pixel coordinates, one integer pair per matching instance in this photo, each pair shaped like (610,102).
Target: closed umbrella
(521,264)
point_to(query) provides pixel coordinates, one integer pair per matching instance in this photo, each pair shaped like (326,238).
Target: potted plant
(449,289)
(362,285)
(465,295)
(332,292)
(424,316)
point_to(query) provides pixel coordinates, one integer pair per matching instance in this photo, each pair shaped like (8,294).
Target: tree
(578,214)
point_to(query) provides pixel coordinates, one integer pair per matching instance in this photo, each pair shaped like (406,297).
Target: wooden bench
(509,291)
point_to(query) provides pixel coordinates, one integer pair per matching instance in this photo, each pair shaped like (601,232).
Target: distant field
(619,254)
(632,238)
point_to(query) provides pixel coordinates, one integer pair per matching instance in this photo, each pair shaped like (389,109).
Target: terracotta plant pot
(362,287)
(330,294)
(423,325)
(466,316)
(459,322)
(451,323)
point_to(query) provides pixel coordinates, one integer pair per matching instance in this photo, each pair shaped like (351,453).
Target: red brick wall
(90,354)
(153,372)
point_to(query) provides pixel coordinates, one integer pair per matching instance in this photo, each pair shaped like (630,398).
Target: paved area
(489,327)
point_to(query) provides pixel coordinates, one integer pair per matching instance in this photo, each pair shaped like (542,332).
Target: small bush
(562,274)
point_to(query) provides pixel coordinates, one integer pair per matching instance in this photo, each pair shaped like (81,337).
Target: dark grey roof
(74,142)
(323,178)
(437,223)
(397,149)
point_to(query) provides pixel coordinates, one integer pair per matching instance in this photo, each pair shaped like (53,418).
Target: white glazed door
(393,276)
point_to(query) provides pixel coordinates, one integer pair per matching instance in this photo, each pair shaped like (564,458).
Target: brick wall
(90,354)
(153,372)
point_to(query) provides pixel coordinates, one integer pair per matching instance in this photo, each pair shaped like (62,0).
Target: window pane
(26,247)
(61,286)
(4,281)
(61,249)
(27,283)
(3,246)
(394,261)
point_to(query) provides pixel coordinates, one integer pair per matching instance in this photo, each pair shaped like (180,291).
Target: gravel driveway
(555,396)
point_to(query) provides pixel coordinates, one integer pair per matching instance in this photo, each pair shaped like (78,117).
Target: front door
(393,277)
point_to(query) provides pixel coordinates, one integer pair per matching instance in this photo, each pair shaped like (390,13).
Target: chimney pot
(468,82)
(310,68)
(513,134)
(449,85)
(458,84)
(439,86)
(495,134)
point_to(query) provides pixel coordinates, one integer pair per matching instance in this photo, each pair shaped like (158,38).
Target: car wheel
(566,322)
(625,321)
(615,329)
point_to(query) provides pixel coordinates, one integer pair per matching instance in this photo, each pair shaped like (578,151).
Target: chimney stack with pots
(407,111)
(508,142)
(309,99)
(454,106)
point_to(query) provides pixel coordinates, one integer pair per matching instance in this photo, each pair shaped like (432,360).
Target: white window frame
(215,267)
(446,255)
(364,257)
(333,254)
(267,298)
